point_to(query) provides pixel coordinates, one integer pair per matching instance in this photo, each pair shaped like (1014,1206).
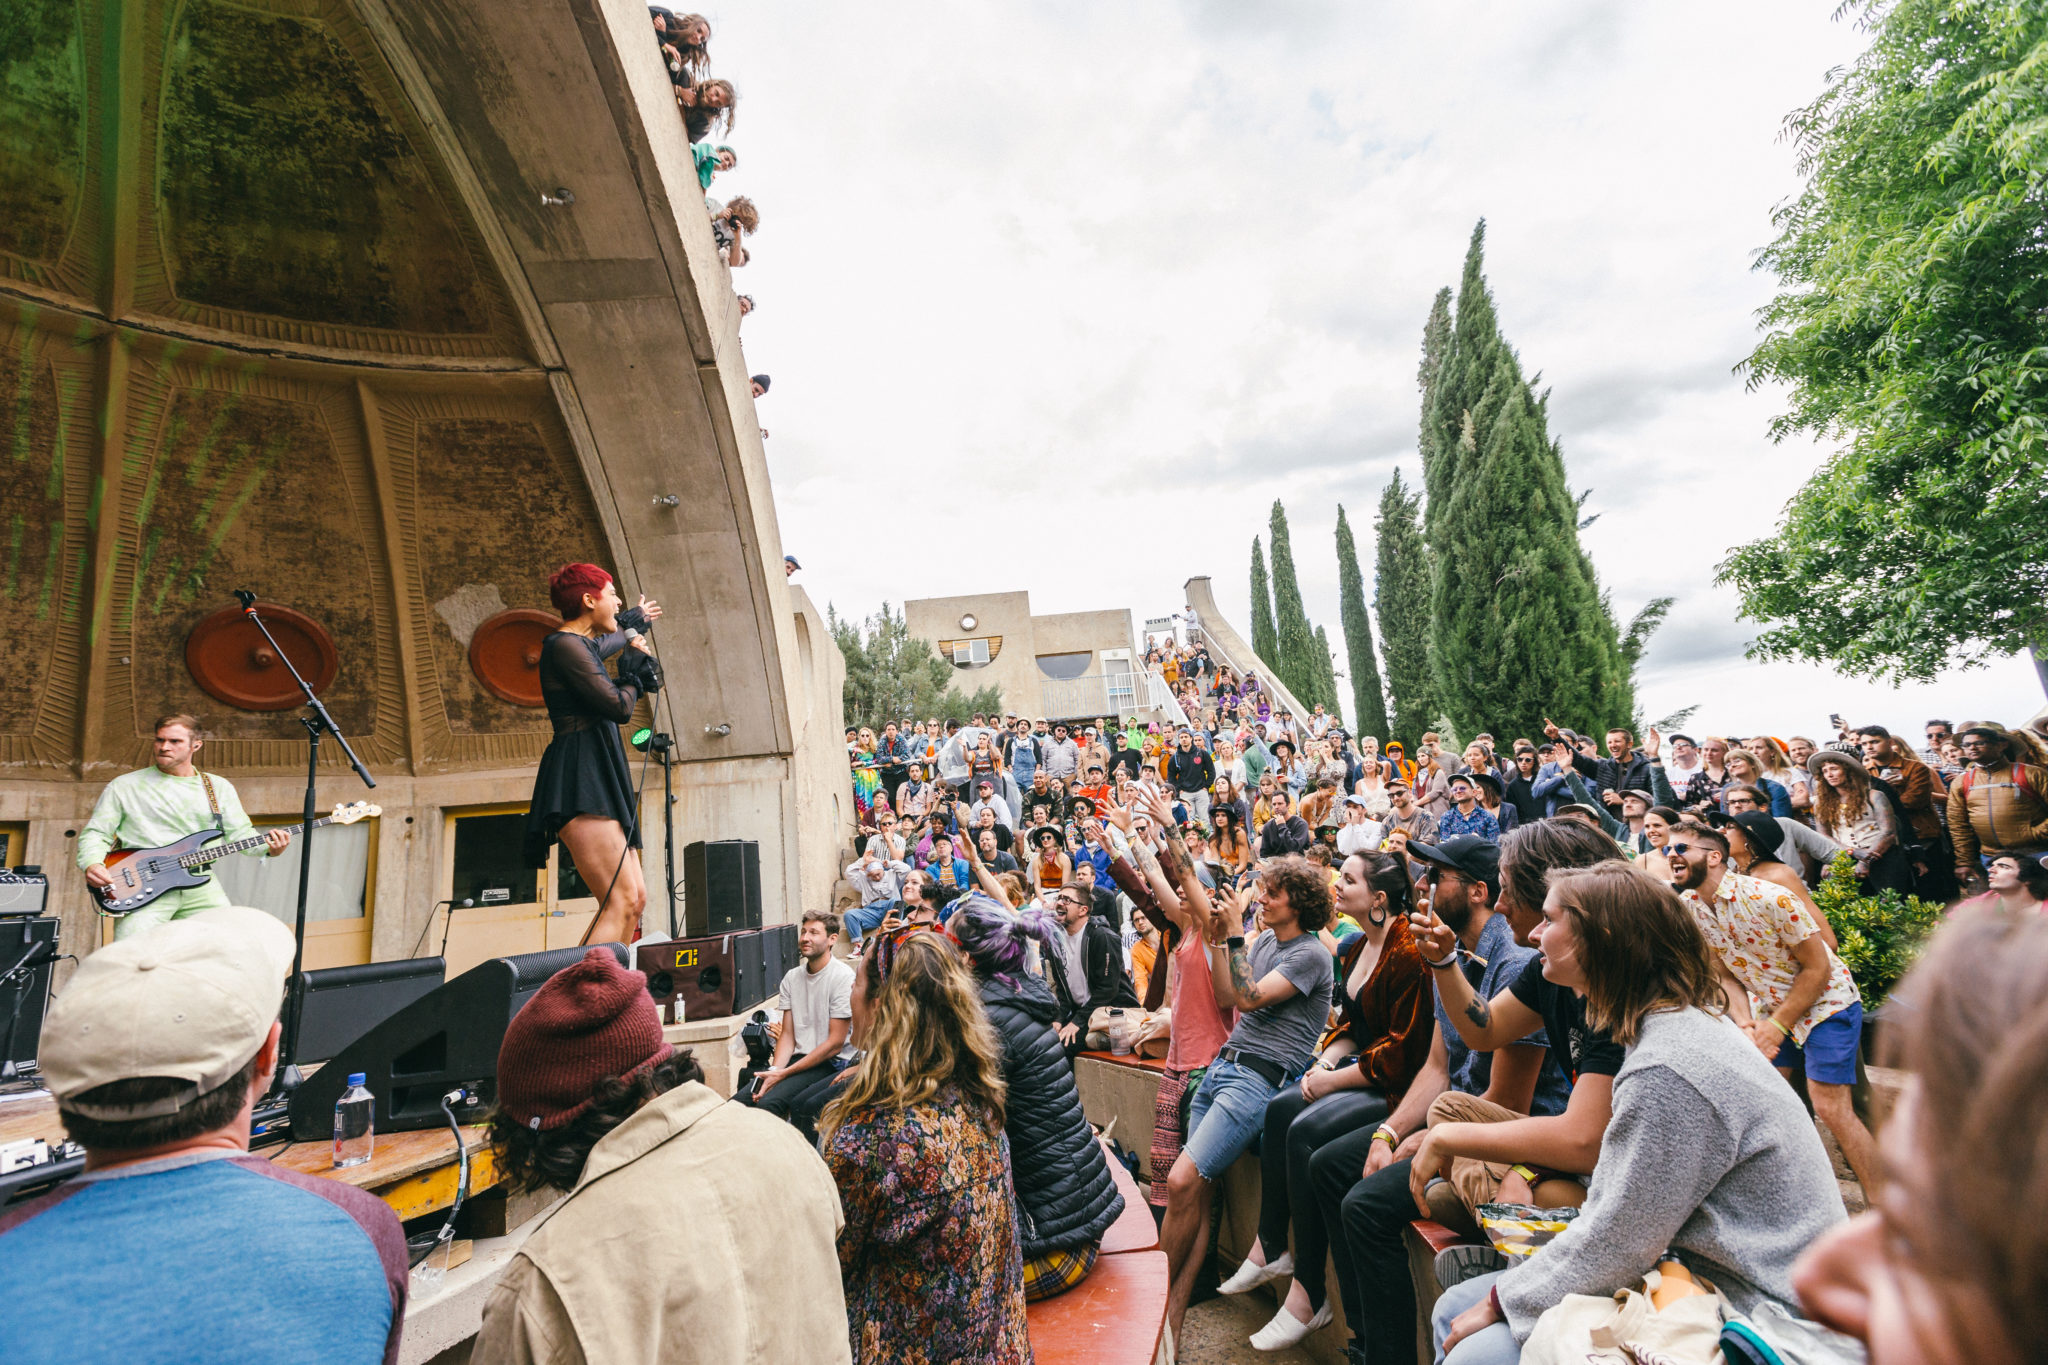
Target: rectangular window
(518,909)
(340,894)
(970,652)
(13,844)
(490,862)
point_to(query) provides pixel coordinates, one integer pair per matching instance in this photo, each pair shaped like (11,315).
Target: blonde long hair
(927,1030)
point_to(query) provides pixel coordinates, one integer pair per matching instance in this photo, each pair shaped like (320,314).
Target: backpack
(1961,786)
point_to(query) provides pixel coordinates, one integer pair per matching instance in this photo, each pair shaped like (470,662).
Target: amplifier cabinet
(23,1000)
(23,893)
(721,886)
(718,975)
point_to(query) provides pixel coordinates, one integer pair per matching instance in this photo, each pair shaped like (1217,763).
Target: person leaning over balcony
(685,44)
(731,224)
(708,107)
(1708,1154)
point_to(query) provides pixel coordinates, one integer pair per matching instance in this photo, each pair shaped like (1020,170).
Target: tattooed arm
(1230,971)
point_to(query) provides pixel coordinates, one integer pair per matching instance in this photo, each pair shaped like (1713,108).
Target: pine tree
(1436,340)
(1368,702)
(1296,638)
(1265,640)
(1401,598)
(1519,626)
(1326,677)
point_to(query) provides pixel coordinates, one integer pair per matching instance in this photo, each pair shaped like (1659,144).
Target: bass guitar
(142,874)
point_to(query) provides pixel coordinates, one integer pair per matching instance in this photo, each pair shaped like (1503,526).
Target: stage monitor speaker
(24,891)
(448,1037)
(23,1000)
(721,886)
(343,1003)
(720,975)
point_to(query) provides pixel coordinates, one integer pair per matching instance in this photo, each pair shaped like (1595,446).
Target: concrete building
(382,311)
(1067,665)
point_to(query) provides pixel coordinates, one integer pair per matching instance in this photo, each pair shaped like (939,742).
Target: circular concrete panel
(505,653)
(232,662)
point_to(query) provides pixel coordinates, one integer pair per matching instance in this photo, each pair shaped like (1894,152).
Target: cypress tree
(1368,702)
(1401,596)
(1436,340)
(1519,627)
(1326,677)
(1265,640)
(1297,641)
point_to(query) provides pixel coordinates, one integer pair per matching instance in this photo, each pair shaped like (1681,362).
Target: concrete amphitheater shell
(290,299)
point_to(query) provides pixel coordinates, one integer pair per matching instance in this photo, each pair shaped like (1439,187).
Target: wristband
(1450,961)
(1385,1134)
(1772,1019)
(1234,941)
(1527,1173)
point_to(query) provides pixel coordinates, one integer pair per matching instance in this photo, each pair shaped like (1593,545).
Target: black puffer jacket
(1065,1196)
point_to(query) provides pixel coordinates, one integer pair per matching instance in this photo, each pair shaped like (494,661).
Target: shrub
(1880,935)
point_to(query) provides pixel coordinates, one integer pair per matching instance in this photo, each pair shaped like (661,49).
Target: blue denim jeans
(861,920)
(1226,1116)
(1496,1345)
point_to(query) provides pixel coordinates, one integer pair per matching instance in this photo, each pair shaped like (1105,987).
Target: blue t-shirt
(1471,1071)
(203,1257)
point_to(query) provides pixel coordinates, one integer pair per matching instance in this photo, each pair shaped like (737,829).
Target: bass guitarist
(154,806)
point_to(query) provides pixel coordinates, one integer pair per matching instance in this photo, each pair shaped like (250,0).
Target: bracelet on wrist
(1773,1021)
(1387,1135)
(1451,960)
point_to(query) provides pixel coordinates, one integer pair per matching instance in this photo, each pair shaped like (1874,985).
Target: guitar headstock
(353,811)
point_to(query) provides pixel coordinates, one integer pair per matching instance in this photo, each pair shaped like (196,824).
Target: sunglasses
(1670,849)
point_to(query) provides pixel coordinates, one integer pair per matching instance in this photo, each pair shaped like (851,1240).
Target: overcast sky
(1060,297)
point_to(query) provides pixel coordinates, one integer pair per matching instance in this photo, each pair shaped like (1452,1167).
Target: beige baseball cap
(193,999)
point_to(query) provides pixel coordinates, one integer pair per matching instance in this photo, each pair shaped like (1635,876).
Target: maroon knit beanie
(587,1022)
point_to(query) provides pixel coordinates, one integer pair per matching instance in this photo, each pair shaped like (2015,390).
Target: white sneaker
(1286,1330)
(1250,1277)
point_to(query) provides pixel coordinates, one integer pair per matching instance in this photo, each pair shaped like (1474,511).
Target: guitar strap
(213,802)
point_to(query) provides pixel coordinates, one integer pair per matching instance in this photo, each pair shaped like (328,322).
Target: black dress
(584,769)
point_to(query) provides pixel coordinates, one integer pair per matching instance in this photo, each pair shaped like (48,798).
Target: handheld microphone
(652,664)
(39,952)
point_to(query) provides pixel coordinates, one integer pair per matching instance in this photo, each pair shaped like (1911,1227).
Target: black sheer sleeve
(575,669)
(632,618)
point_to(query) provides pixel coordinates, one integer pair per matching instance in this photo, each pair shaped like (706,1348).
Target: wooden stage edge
(415,1173)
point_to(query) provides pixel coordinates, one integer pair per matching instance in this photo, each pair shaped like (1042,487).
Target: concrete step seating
(1117,1316)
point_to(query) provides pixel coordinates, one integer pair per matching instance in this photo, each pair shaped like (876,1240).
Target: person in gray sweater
(1709,1153)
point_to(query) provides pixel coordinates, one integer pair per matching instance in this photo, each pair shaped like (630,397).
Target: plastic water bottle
(1119,1033)
(353,1138)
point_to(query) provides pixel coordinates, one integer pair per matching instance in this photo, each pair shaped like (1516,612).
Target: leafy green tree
(893,675)
(1913,331)
(1368,699)
(1436,342)
(1401,596)
(1297,641)
(1265,637)
(1519,626)
(1326,677)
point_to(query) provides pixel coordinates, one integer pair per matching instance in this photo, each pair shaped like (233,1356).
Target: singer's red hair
(570,583)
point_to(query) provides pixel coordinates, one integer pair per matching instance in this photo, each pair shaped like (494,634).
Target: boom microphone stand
(317,724)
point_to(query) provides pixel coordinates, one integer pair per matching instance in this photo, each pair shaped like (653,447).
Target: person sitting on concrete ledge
(591,1100)
(1709,1155)
(156,1052)
(1066,1197)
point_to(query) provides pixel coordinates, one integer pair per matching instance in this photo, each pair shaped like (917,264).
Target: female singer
(583,793)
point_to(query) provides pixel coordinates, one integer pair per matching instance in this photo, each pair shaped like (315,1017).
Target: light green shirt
(146,809)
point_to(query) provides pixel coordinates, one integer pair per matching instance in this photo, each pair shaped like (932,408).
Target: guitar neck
(219,851)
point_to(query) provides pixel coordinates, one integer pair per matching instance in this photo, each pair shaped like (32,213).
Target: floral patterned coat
(930,1254)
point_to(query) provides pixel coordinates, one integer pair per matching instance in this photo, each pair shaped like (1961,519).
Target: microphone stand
(665,746)
(317,724)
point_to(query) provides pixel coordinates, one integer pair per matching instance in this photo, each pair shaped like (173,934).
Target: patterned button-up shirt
(1754,926)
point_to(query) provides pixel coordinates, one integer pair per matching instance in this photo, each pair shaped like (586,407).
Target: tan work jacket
(701,1230)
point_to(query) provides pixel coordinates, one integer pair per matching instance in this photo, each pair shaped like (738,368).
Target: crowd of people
(1590,1012)
(1421,984)
(708,106)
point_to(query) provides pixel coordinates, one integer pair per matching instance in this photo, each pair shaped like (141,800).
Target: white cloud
(1062,296)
